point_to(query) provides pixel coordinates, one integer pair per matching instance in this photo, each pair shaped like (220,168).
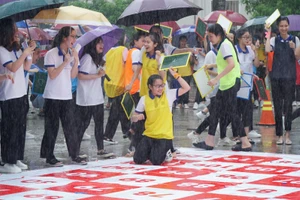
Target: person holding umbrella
(62,64)
(13,97)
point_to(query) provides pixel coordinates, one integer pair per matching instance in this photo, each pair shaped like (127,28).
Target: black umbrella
(26,9)
(156,11)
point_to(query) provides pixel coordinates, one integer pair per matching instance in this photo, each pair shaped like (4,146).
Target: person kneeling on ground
(157,138)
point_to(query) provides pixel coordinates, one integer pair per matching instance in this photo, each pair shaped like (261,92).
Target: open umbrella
(27,9)
(171,24)
(255,22)
(36,33)
(294,22)
(189,32)
(110,36)
(156,11)
(236,18)
(71,15)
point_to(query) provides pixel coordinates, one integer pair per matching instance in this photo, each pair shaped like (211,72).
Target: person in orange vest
(132,84)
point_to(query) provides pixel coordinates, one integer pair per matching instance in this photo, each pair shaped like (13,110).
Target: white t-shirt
(8,90)
(200,59)
(211,58)
(89,92)
(246,59)
(59,88)
(136,57)
(272,41)
(172,95)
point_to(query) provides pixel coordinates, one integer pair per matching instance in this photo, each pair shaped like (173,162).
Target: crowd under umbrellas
(137,13)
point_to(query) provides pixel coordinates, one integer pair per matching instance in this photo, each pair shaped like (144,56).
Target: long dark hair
(90,48)
(282,18)
(155,38)
(240,33)
(63,33)
(8,28)
(136,36)
(217,29)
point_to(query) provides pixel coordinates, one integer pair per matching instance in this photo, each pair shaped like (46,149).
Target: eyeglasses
(159,86)
(247,38)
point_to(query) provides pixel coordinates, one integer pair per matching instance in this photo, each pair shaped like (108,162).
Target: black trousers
(55,110)
(137,127)
(184,99)
(85,114)
(283,93)
(116,115)
(226,103)
(13,129)
(152,149)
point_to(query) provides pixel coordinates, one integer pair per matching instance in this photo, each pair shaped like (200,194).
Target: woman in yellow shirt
(157,106)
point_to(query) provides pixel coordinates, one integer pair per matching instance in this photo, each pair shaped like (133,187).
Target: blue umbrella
(110,36)
(22,24)
(189,32)
(258,21)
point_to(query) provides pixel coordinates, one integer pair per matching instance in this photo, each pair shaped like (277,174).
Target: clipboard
(273,17)
(200,28)
(225,23)
(175,61)
(167,31)
(127,104)
(247,80)
(244,93)
(260,86)
(39,83)
(201,78)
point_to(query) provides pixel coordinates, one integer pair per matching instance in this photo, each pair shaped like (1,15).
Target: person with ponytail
(62,64)
(229,84)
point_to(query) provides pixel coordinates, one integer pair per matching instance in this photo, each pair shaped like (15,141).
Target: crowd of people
(76,84)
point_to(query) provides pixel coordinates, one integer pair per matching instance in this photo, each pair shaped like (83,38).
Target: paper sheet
(225,23)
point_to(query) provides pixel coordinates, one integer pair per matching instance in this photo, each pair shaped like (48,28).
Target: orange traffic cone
(267,116)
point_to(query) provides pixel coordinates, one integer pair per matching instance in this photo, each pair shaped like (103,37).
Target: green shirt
(225,50)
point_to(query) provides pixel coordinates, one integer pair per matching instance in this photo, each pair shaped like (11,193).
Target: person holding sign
(226,100)
(90,103)
(156,143)
(13,97)
(248,57)
(62,64)
(283,76)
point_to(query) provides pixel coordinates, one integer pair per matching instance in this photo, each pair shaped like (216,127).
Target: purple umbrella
(294,22)
(110,36)
(6,1)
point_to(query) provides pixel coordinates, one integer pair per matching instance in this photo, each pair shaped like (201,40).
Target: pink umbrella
(236,18)
(171,24)
(36,34)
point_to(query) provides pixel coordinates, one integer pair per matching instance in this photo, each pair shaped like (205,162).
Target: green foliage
(111,10)
(267,7)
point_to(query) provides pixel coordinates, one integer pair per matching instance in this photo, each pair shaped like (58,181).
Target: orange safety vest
(129,73)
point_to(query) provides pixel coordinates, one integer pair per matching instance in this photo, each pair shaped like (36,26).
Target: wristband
(176,76)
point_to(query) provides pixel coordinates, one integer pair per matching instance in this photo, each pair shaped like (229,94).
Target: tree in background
(110,9)
(267,7)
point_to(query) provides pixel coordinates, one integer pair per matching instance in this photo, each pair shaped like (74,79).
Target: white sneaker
(254,134)
(256,103)
(226,142)
(21,165)
(294,103)
(186,106)
(10,168)
(178,106)
(193,137)
(169,156)
(195,107)
(29,135)
(201,106)
(201,115)
(86,136)
(261,103)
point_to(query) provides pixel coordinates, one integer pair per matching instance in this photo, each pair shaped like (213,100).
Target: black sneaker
(53,162)
(79,160)
(104,154)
